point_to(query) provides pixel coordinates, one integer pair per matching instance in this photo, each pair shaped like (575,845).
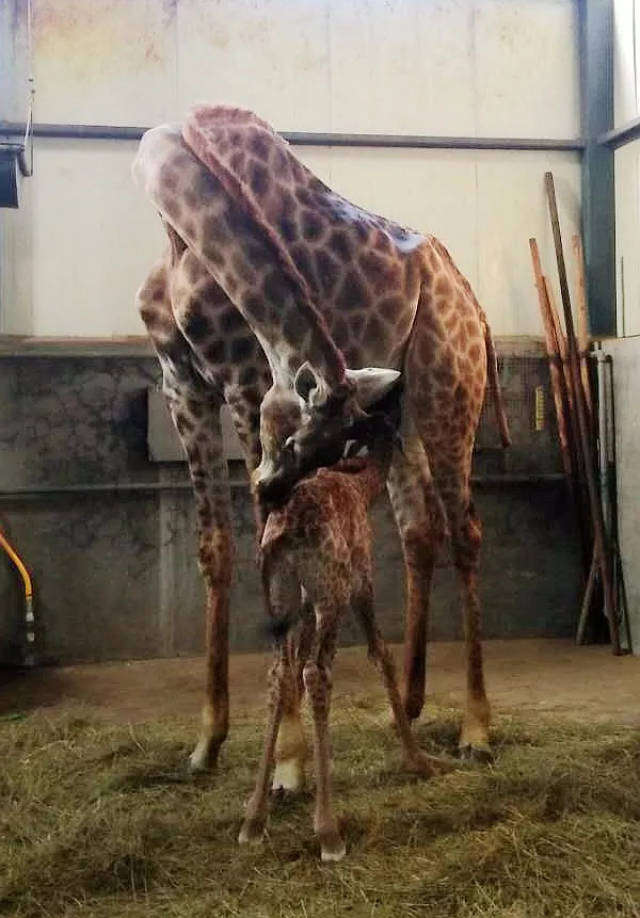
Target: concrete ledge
(140,346)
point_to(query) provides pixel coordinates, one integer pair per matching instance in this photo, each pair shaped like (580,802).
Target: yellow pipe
(24,573)
(28,587)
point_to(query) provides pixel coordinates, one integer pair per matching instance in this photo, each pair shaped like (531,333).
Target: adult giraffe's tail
(494,384)
(276,628)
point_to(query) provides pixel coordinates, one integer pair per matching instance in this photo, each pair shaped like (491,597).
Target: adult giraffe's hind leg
(421,525)
(195,409)
(466,542)
(446,374)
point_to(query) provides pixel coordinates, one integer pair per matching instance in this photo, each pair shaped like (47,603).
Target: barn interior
(509,130)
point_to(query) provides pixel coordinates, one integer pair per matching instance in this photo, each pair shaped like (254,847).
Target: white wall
(467,67)
(626,372)
(626,350)
(627,166)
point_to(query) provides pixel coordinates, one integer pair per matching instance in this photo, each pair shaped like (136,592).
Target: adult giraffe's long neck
(236,146)
(213,216)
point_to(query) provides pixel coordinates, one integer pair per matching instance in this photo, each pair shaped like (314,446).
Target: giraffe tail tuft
(276,628)
(494,383)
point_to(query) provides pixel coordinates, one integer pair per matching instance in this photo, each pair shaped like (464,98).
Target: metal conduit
(315,138)
(13,494)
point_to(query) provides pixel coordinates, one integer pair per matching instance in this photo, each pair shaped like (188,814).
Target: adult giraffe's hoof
(203,758)
(475,753)
(252,832)
(288,777)
(332,847)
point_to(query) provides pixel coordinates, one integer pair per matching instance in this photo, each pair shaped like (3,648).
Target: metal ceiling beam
(317,138)
(598,193)
(622,135)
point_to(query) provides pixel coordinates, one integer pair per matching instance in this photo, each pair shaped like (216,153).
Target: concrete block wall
(115,571)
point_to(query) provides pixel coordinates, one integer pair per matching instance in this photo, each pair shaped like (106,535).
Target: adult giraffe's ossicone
(268,270)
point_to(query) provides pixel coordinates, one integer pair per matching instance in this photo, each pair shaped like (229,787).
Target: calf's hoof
(429,765)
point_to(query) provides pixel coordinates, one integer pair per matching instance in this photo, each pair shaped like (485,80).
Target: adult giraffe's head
(305,426)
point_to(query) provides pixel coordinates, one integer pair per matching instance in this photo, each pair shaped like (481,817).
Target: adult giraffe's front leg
(197,419)
(195,410)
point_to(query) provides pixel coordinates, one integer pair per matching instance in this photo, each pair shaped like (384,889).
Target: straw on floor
(102,820)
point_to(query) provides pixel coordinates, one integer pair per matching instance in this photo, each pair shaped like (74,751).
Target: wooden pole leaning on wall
(583,326)
(582,506)
(583,356)
(599,534)
(555,372)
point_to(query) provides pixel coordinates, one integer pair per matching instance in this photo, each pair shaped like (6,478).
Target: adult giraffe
(256,238)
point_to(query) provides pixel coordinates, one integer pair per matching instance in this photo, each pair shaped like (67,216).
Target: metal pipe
(12,494)
(602,438)
(28,595)
(315,138)
(613,480)
(618,137)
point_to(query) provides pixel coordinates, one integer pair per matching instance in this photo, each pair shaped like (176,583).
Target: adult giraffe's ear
(372,383)
(305,382)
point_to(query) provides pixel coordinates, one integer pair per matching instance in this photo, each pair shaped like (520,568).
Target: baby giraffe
(320,541)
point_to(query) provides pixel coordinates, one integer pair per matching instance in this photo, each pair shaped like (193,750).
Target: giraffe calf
(320,541)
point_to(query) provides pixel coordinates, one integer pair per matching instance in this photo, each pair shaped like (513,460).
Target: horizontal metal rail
(622,135)
(315,138)
(153,487)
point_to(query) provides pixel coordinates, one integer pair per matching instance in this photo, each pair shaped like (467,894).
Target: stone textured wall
(115,572)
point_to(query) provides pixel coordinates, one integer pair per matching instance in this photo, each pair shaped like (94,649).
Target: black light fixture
(16,156)
(9,173)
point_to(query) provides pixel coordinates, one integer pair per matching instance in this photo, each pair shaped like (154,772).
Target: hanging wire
(26,166)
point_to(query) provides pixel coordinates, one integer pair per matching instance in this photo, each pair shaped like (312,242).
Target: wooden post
(599,534)
(577,460)
(554,367)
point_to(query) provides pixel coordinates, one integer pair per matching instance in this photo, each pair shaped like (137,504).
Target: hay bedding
(103,821)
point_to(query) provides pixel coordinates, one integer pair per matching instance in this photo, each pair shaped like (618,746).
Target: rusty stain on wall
(90,41)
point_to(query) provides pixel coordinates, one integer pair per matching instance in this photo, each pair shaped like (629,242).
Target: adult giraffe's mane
(204,133)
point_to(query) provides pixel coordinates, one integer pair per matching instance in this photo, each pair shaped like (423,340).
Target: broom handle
(599,537)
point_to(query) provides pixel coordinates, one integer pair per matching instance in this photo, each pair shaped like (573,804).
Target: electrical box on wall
(163,442)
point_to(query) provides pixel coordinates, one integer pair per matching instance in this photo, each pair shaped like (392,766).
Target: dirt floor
(554,677)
